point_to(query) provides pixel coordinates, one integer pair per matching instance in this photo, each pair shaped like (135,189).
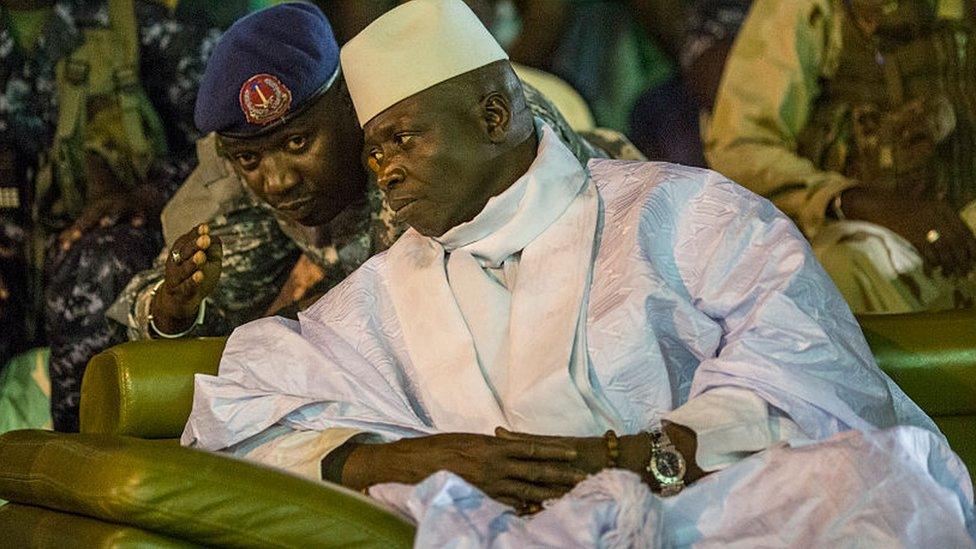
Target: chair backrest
(145,388)
(932,357)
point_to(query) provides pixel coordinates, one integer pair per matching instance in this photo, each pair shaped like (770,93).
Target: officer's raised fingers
(203,242)
(216,250)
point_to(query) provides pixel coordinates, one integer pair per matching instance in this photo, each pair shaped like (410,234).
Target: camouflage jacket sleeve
(767,95)
(257,257)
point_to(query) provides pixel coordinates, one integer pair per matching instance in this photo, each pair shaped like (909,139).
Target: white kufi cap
(411,48)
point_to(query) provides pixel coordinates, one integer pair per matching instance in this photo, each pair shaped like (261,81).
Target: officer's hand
(192,273)
(933,228)
(296,290)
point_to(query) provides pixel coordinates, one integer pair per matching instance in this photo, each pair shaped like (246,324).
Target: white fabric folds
(695,287)
(853,490)
(470,332)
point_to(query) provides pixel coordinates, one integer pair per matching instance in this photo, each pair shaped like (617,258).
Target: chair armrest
(931,356)
(185,494)
(145,388)
(39,528)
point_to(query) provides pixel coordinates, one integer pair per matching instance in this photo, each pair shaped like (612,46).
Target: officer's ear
(496,116)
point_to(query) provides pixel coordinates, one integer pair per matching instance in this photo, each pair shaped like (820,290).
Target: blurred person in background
(710,33)
(667,120)
(857,118)
(96,121)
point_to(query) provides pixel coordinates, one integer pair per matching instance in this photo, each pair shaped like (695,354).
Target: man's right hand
(515,472)
(955,248)
(192,272)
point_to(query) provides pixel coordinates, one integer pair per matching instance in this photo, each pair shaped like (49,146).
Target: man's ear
(496,116)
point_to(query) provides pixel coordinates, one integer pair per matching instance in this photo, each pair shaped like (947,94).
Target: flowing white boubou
(509,348)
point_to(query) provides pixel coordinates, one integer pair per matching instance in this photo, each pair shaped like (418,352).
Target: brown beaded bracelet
(613,448)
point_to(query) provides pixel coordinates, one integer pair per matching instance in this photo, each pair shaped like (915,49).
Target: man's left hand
(591,451)
(635,450)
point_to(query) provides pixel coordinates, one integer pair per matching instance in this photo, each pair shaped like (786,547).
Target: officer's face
(309,169)
(428,156)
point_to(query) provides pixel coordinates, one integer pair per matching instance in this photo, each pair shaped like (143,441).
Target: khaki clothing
(878,271)
(786,52)
(810,106)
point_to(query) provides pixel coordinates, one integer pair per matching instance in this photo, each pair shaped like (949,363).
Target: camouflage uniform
(835,110)
(260,247)
(82,282)
(14,307)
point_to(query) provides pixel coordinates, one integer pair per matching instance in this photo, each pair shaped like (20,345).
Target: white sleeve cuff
(731,423)
(301,452)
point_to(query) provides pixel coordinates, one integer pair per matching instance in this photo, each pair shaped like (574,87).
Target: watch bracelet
(201,315)
(660,442)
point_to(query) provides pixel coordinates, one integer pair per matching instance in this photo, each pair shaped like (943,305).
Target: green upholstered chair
(932,357)
(115,486)
(125,481)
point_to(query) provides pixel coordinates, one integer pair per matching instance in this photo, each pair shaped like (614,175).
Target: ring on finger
(933,236)
(175,254)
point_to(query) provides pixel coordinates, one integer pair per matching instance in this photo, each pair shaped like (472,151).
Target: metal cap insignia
(264,99)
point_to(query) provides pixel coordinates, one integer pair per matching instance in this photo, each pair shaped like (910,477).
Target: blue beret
(265,69)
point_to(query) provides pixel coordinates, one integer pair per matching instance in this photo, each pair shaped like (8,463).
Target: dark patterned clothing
(173,55)
(14,274)
(82,283)
(260,248)
(712,21)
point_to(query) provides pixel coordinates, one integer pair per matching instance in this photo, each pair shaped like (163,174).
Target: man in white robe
(537,304)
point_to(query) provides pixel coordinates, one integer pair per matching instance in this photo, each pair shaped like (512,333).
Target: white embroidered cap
(411,48)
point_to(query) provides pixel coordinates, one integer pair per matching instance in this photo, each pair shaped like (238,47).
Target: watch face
(669,464)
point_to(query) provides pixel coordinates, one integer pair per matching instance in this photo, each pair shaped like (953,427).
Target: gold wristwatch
(667,465)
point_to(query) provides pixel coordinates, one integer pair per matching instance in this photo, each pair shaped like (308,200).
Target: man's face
(309,170)
(426,158)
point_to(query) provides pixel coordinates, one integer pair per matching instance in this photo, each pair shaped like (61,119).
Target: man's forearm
(131,307)
(359,466)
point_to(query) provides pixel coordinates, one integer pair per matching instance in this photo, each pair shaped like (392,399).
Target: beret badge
(264,99)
